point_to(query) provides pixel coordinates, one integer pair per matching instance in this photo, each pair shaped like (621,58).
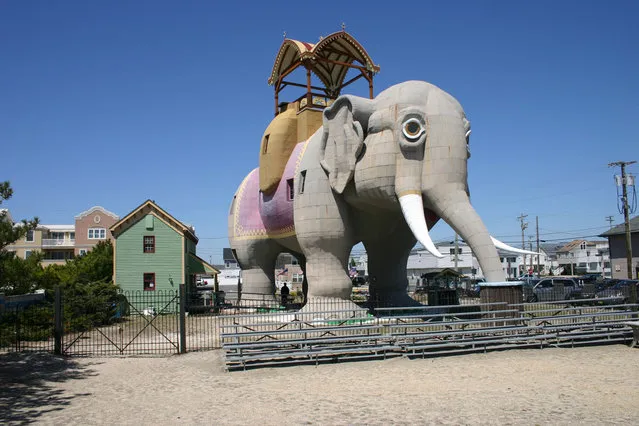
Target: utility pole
(610,219)
(524,225)
(626,216)
(531,257)
(538,256)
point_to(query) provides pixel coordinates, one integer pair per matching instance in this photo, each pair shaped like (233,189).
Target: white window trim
(89,237)
(26,237)
(27,253)
(82,252)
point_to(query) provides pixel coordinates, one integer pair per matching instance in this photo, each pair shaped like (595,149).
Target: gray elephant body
(358,179)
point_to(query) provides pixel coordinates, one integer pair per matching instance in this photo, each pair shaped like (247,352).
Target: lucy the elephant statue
(381,172)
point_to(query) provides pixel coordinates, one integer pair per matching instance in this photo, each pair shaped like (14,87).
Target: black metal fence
(170,322)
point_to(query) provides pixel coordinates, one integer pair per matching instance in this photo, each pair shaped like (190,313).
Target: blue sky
(114,102)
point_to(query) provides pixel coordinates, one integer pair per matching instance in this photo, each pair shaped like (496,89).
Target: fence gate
(140,323)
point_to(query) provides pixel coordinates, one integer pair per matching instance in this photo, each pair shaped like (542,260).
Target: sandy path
(597,385)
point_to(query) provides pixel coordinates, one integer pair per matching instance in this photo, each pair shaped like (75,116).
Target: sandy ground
(594,385)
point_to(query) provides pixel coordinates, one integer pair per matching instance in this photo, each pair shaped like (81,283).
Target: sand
(592,385)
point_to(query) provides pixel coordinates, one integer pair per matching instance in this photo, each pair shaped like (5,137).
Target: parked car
(594,277)
(618,292)
(553,289)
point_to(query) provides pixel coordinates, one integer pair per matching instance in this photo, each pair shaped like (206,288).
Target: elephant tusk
(413,211)
(506,247)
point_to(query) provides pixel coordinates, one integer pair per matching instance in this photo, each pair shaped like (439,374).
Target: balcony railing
(67,242)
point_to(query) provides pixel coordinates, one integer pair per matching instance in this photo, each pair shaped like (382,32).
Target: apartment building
(585,257)
(58,243)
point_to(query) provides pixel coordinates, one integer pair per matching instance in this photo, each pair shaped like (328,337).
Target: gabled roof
(149,207)
(621,229)
(97,208)
(574,244)
(227,255)
(197,265)
(337,47)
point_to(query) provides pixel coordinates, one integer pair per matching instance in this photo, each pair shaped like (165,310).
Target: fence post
(182,318)
(57,319)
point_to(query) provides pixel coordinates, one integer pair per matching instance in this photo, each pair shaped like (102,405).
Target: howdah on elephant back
(378,171)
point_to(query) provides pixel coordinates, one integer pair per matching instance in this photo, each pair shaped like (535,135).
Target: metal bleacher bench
(635,332)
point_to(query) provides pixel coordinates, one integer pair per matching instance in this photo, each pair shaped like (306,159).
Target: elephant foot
(403,300)
(332,308)
(394,299)
(259,300)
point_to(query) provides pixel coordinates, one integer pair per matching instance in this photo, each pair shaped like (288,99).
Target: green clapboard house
(155,252)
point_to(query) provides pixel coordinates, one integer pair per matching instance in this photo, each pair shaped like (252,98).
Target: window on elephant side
(289,187)
(149,281)
(265,144)
(149,244)
(302,181)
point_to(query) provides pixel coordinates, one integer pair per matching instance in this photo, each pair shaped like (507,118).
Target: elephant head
(407,149)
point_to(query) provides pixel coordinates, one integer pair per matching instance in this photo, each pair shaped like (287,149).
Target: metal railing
(149,323)
(54,242)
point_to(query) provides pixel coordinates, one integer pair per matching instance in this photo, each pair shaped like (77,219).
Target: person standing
(284,291)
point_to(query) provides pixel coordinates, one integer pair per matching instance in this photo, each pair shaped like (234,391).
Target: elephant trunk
(455,208)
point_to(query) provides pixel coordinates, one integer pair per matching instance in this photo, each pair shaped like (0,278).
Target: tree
(10,232)
(17,275)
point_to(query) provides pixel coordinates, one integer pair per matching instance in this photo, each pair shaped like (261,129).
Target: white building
(585,257)
(421,261)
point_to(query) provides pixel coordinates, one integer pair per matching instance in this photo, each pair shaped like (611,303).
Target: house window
(511,259)
(29,237)
(291,193)
(452,250)
(302,181)
(27,253)
(583,246)
(587,253)
(56,235)
(97,233)
(149,244)
(265,144)
(82,252)
(149,281)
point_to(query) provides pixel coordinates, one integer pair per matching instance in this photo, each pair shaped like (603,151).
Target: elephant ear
(343,137)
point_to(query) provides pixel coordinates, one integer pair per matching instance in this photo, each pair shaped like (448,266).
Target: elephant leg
(302,261)
(257,260)
(387,259)
(329,287)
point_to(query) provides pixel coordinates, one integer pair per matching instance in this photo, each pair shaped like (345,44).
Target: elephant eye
(412,129)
